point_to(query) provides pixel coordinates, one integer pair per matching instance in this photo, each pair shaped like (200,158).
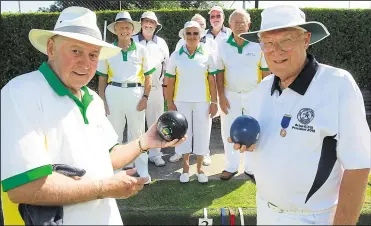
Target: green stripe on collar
(198,50)
(232,42)
(61,90)
(132,47)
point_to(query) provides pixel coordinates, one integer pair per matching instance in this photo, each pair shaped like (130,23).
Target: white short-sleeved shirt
(191,73)
(242,65)
(159,53)
(327,133)
(128,67)
(224,33)
(42,124)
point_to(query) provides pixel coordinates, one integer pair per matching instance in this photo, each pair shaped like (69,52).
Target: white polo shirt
(327,133)
(128,67)
(242,65)
(159,54)
(42,124)
(191,73)
(224,33)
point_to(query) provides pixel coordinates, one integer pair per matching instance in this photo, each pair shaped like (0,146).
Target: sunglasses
(216,16)
(188,33)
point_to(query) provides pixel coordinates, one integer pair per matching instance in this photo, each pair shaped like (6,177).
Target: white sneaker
(158,161)
(207,160)
(184,177)
(176,157)
(148,181)
(202,178)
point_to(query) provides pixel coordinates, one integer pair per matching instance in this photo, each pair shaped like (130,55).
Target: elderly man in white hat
(50,117)
(159,53)
(211,44)
(125,84)
(312,158)
(241,67)
(218,31)
(192,91)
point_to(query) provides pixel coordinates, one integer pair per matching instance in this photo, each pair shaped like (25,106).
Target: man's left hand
(142,104)
(213,109)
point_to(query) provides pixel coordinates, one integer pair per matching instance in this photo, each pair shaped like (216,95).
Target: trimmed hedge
(348,47)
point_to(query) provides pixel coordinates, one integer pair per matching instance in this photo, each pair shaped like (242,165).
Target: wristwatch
(146,96)
(140,147)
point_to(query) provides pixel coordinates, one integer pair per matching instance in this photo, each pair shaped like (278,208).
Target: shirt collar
(232,42)
(141,37)
(224,30)
(302,81)
(131,47)
(184,49)
(203,39)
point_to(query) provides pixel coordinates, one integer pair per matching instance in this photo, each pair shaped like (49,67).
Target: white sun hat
(285,16)
(151,15)
(191,24)
(216,8)
(124,16)
(77,23)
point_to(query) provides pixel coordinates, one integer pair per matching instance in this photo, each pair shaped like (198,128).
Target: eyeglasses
(188,33)
(285,44)
(216,16)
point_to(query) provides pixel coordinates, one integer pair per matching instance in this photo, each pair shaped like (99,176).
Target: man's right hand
(106,108)
(122,185)
(171,106)
(224,104)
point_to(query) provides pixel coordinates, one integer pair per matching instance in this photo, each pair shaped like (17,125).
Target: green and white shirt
(42,124)
(128,67)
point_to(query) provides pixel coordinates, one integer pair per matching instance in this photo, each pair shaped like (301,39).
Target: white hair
(198,16)
(241,12)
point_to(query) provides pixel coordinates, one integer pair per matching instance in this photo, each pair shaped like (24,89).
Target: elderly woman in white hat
(125,84)
(312,159)
(51,117)
(159,53)
(192,91)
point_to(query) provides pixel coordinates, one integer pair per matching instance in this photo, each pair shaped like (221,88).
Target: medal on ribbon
(284,124)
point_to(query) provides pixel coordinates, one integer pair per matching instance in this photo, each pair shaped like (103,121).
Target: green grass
(170,202)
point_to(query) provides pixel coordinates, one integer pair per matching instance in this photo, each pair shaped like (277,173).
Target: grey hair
(242,12)
(198,16)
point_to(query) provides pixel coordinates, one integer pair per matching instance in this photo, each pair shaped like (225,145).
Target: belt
(300,212)
(125,85)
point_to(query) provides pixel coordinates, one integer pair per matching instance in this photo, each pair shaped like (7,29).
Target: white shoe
(202,178)
(176,157)
(148,181)
(207,160)
(184,178)
(158,161)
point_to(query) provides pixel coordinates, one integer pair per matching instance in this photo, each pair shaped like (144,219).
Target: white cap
(216,8)
(191,24)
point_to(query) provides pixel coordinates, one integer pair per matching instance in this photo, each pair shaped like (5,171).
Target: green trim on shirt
(150,71)
(132,47)
(213,72)
(26,177)
(220,70)
(264,69)
(169,75)
(232,42)
(61,90)
(113,147)
(198,50)
(101,74)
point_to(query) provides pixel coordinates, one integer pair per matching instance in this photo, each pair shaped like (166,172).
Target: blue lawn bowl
(245,130)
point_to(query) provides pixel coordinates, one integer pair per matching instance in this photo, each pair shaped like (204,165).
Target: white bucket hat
(216,8)
(77,23)
(151,15)
(124,16)
(285,16)
(191,24)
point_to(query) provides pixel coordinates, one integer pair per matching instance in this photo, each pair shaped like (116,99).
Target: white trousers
(197,115)
(268,216)
(122,103)
(155,108)
(238,102)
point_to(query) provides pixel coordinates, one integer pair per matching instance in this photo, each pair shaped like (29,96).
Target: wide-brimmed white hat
(285,16)
(216,8)
(77,23)
(151,15)
(124,16)
(191,24)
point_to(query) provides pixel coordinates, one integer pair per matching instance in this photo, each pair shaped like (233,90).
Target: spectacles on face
(188,33)
(286,44)
(216,16)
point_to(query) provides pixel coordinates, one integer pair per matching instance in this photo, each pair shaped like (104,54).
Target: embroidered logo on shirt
(305,116)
